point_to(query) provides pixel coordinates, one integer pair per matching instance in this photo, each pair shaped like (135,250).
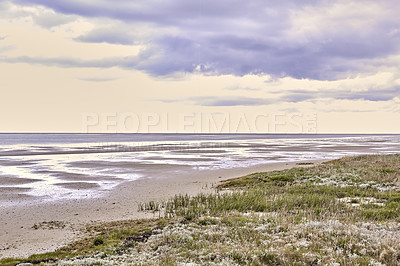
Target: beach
(63,222)
(50,195)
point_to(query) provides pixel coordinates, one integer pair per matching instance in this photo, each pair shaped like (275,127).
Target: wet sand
(20,239)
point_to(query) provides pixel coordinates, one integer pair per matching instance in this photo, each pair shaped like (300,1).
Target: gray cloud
(239,37)
(373,93)
(345,110)
(50,20)
(175,12)
(111,35)
(294,96)
(240,88)
(42,17)
(219,101)
(229,101)
(98,79)
(7,48)
(68,62)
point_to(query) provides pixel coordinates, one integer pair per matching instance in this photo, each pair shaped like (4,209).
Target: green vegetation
(320,192)
(345,211)
(104,237)
(98,241)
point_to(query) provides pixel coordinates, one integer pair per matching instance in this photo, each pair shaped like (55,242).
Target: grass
(345,211)
(304,192)
(102,237)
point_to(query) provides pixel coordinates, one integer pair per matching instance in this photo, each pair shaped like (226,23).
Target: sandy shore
(61,222)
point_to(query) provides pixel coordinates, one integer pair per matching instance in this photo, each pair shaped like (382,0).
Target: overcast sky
(62,60)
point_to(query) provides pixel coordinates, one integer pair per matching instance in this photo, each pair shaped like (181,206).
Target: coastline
(32,228)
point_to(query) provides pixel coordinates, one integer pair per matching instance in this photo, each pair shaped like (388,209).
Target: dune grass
(312,192)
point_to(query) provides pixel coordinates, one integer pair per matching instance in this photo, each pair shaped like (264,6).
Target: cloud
(369,93)
(99,79)
(220,101)
(323,40)
(374,94)
(66,62)
(41,16)
(395,105)
(376,88)
(108,35)
(240,88)
(49,20)
(7,48)
(230,101)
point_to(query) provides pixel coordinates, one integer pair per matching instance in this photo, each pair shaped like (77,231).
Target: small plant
(268,259)
(207,221)
(354,201)
(98,241)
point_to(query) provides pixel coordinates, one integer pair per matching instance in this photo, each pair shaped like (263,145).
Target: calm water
(66,138)
(57,166)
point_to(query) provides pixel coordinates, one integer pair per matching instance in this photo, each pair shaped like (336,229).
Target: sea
(68,166)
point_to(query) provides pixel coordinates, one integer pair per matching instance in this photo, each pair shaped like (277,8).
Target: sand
(19,238)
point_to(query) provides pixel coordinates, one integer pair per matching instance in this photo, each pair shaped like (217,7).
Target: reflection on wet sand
(58,171)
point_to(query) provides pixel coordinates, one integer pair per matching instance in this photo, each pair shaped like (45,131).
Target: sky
(259,66)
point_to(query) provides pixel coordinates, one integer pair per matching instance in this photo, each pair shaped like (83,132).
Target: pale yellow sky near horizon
(41,95)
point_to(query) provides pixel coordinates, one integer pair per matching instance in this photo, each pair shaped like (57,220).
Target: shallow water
(59,166)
